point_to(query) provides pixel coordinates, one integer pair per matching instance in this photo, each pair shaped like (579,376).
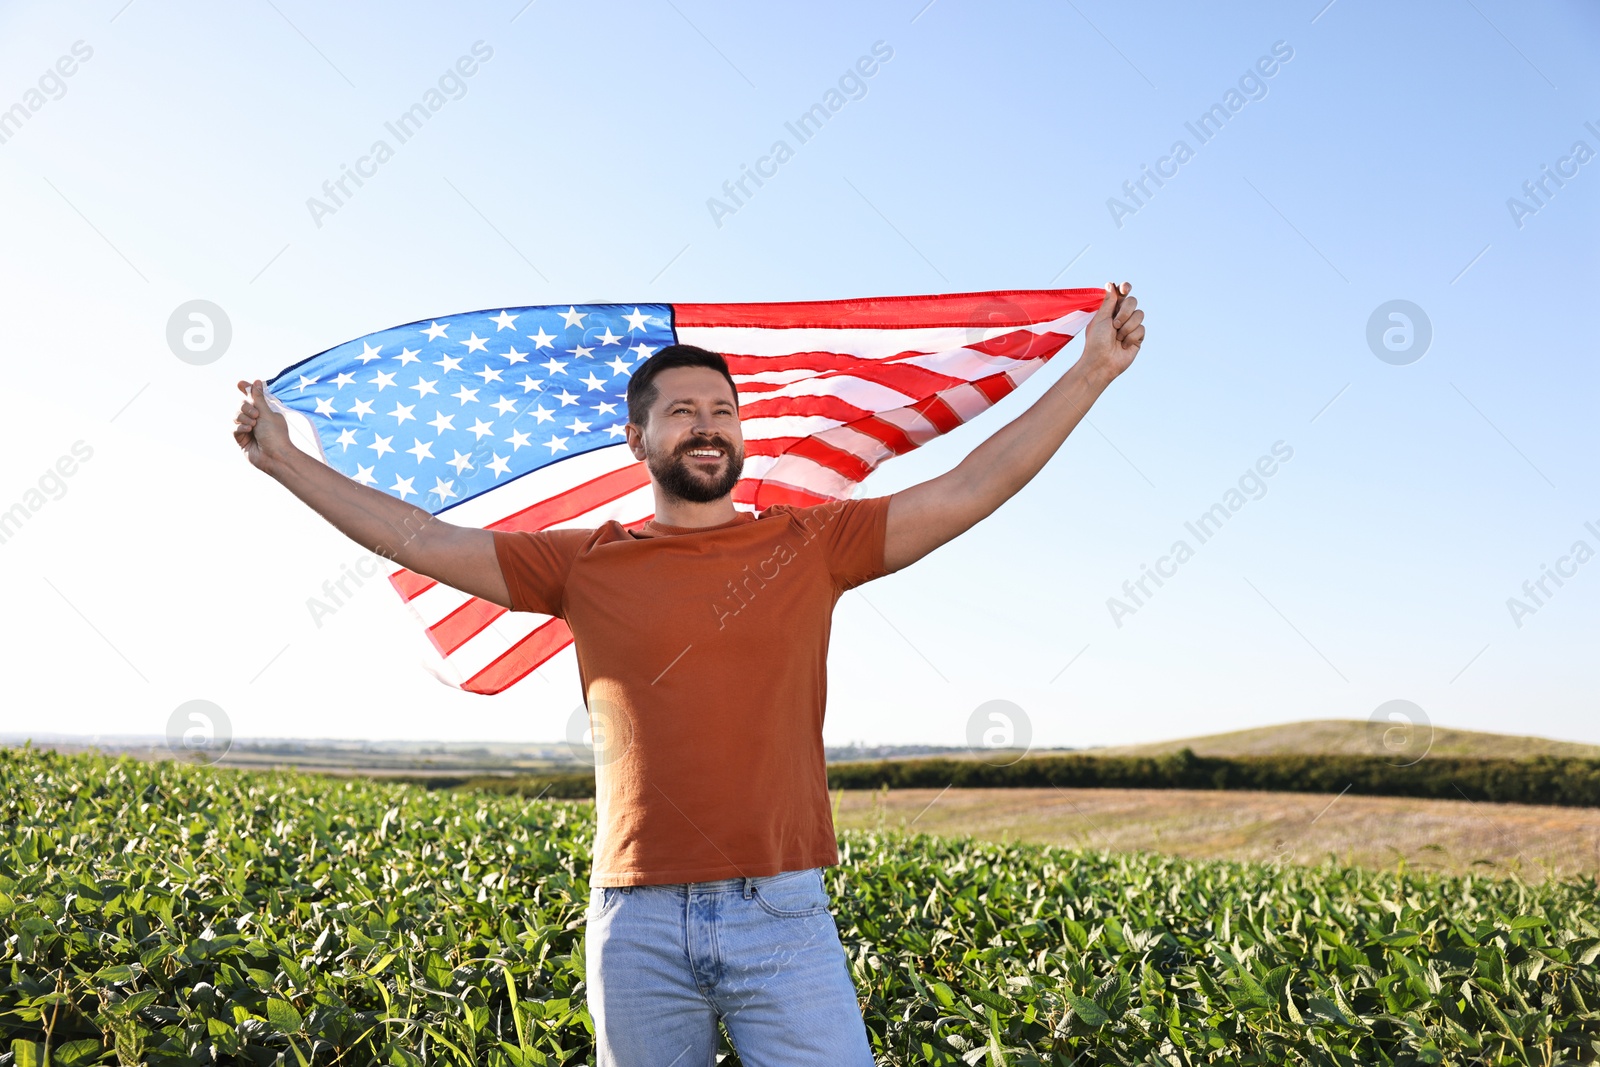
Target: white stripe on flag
(542,484)
(860,392)
(760,429)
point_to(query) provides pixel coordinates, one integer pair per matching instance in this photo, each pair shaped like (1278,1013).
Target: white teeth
(705,452)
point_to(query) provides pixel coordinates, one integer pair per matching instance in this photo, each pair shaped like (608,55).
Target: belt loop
(749,889)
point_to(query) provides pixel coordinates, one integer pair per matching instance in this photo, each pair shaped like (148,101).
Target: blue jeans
(666,962)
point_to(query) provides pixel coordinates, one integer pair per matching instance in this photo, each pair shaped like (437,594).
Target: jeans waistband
(720,885)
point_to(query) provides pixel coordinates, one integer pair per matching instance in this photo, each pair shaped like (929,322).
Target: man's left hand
(1114,334)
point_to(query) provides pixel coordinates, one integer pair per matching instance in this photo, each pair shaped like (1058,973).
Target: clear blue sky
(1374,164)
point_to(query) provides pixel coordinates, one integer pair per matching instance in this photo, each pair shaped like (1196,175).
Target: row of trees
(1541,780)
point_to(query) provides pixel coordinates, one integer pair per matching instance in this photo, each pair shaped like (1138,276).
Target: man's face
(693,412)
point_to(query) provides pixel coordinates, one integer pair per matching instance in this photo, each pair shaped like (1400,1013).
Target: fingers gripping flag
(513,420)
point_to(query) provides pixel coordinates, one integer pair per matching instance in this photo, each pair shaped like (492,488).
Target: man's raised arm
(927,515)
(458,556)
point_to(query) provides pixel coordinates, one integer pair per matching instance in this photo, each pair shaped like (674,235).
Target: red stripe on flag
(577,500)
(739,363)
(763,494)
(978,310)
(563,506)
(909,378)
(894,437)
(410,584)
(769,446)
(521,659)
(906,379)
(936,411)
(779,446)
(835,459)
(473,617)
(995,386)
(1022,344)
(462,624)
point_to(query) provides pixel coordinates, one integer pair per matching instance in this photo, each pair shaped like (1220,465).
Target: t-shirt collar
(653,527)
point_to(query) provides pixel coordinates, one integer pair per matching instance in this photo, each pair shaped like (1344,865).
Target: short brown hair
(642,390)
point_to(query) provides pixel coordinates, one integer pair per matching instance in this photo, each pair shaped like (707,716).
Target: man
(702,642)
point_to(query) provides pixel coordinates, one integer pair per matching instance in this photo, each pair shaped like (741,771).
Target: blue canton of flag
(442,411)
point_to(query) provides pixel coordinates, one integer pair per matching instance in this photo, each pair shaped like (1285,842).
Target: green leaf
(283,1016)
(115,975)
(293,969)
(987,998)
(1501,1021)
(438,972)
(1401,939)
(1290,1009)
(523,1057)
(139,1001)
(26,1054)
(76,1053)
(1326,1009)
(1088,1011)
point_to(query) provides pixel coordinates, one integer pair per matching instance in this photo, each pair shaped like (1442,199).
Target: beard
(677,476)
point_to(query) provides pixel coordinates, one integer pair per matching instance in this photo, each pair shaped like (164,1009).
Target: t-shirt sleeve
(852,534)
(535,565)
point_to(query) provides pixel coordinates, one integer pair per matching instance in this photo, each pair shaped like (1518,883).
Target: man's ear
(635,440)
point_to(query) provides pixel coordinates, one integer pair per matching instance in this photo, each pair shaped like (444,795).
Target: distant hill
(1349,737)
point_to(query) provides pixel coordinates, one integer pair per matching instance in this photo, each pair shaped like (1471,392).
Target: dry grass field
(1379,832)
(1352,737)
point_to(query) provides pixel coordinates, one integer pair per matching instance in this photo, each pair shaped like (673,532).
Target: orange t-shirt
(703,656)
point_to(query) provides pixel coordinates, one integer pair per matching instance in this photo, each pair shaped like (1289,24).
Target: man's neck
(675,511)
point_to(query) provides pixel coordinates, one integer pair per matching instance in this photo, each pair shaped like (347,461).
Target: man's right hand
(460,556)
(262,433)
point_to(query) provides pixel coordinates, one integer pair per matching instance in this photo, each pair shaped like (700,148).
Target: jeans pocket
(602,902)
(792,895)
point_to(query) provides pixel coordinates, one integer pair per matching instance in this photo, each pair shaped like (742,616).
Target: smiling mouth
(705,455)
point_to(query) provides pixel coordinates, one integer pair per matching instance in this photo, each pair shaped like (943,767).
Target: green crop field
(161,914)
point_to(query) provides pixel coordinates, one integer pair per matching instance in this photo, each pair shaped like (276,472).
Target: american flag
(513,419)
